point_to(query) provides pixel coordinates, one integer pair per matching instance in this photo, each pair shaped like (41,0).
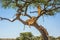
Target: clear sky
(13,29)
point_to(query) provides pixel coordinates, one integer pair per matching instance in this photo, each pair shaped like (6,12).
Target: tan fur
(39,9)
(30,21)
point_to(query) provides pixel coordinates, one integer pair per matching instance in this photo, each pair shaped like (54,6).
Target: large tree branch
(42,30)
(23,21)
(13,20)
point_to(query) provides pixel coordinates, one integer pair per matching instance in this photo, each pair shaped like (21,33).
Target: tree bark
(42,30)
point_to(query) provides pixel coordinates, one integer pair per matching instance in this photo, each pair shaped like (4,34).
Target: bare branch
(7,19)
(26,5)
(28,15)
(13,20)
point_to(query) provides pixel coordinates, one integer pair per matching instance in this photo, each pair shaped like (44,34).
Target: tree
(52,38)
(25,36)
(44,7)
(58,38)
(18,38)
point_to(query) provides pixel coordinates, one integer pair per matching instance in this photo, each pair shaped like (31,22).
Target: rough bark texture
(42,30)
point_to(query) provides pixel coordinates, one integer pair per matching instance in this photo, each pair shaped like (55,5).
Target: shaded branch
(28,15)
(7,19)
(42,30)
(23,21)
(26,5)
(13,20)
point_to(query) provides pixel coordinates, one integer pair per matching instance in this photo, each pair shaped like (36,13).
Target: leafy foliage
(46,3)
(25,35)
(43,7)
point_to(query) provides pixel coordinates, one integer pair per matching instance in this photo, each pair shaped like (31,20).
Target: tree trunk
(42,30)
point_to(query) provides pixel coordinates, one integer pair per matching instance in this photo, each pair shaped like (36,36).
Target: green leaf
(6,3)
(51,13)
(13,5)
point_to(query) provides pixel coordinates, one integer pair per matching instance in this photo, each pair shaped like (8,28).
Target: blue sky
(13,29)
